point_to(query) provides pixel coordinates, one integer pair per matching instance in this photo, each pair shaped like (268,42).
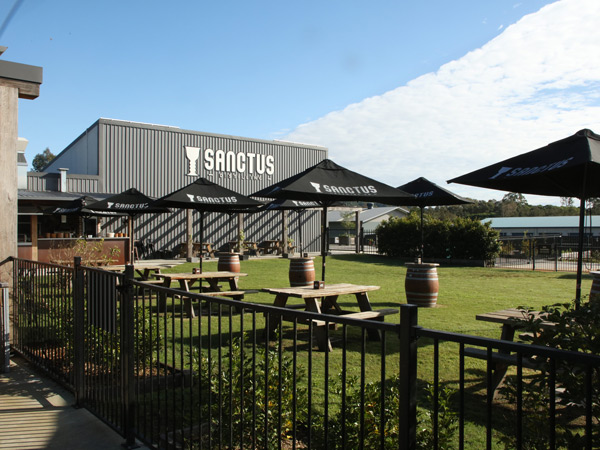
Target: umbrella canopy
(427,193)
(79,207)
(130,203)
(284,204)
(326,183)
(205,196)
(569,167)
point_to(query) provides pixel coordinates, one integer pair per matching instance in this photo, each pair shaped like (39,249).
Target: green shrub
(576,329)
(253,409)
(349,424)
(459,238)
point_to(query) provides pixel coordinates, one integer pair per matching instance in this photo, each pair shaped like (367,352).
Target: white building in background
(369,217)
(544,226)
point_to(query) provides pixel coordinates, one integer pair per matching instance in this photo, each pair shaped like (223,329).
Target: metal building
(113,155)
(544,225)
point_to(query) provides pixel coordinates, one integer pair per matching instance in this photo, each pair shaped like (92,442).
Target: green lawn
(464,292)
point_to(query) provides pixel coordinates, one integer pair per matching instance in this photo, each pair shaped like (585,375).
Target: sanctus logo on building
(227,163)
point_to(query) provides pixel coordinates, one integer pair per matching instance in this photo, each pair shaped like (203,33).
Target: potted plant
(290,246)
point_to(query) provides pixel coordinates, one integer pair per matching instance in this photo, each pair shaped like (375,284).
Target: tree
(348,223)
(517,198)
(41,160)
(566,201)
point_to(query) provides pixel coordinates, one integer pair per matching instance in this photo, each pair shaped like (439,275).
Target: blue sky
(392,88)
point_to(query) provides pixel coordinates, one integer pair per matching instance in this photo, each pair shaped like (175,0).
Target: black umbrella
(566,168)
(293,205)
(326,183)
(79,207)
(427,193)
(205,196)
(130,203)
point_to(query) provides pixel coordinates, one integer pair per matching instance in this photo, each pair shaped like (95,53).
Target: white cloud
(536,82)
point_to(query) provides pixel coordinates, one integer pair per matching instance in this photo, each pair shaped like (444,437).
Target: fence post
(127,356)
(4,330)
(78,329)
(533,252)
(408,376)
(555,255)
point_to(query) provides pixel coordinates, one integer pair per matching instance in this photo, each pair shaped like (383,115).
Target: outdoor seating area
(271,246)
(325,301)
(187,282)
(235,287)
(511,320)
(206,249)
(193,331)
(340,321)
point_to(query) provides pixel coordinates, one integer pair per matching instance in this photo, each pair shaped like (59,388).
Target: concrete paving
(37,413)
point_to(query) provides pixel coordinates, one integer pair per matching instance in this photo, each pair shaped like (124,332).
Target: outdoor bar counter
(56,249)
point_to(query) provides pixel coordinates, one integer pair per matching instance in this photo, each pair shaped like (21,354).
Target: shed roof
(56,196)
(540,222)
(365,215)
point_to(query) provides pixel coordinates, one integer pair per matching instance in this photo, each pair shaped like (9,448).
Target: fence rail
(556,253)
(221,380)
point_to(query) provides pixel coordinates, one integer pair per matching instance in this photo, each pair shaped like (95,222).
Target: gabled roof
(365,215)
(55,196)
(540,222)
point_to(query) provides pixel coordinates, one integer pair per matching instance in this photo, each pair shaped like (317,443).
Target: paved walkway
(36,413)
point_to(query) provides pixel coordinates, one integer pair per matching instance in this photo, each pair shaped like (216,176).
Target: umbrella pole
(323,242)
(201,238)
(580,252)
(422,234)
(131,241)
(300,242)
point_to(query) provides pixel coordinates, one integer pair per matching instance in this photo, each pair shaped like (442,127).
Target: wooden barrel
(229,262)
(302,272)
(421,284)
(595,290)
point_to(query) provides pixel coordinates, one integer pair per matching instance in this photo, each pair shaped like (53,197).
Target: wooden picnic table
(324,301)
(510,319)
(145,271)
(198,249)
(251,247)
(187,280)
(271,246)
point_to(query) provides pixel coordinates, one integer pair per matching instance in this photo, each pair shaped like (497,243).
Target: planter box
(347,240)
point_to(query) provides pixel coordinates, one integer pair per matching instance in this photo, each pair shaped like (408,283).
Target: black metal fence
(557,253)
(365,243)
(238,376)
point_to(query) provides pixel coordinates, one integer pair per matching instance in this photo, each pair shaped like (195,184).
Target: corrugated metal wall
(51,182)
(152,159)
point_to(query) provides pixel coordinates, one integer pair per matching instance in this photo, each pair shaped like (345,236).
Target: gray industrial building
(113,155)
(543,226)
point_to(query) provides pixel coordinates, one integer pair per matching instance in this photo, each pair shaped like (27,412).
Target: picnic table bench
(511,320)
(198,249)
(187,280)
(324,301)
(271,246)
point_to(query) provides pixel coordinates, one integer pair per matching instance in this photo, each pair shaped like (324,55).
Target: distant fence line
(548,253)
(557,253)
